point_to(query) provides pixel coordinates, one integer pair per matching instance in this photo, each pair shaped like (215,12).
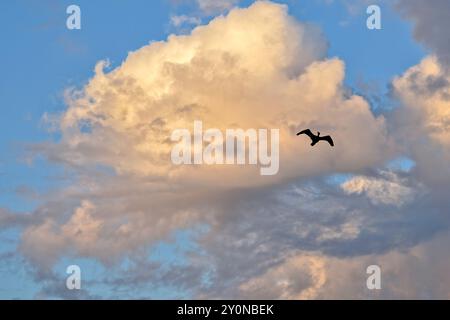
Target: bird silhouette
(315,139)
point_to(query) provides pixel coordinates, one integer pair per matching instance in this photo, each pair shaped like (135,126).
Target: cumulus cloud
(430,19)
(271,237)
(223,74)
(423,119)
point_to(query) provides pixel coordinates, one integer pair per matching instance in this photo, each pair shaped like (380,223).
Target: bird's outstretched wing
(307,132)
(328,139)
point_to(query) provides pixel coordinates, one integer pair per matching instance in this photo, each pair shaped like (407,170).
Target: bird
(317,138)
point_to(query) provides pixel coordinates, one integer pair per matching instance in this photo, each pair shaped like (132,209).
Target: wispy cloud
(178,21)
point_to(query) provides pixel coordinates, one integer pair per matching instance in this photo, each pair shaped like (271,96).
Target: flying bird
(317,138)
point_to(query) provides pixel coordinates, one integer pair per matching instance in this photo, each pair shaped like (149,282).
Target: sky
(85,176)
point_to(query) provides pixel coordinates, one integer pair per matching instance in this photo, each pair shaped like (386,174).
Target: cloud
(216,6)
(415,273)
(423,119)
(387,190)
(430,24)
(10,219)
(209,7)
(222,74)
(179,20)
(50,238)
(418,272)
(276,237)
(297,278)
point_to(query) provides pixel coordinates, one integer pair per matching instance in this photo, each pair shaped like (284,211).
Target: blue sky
(40,58)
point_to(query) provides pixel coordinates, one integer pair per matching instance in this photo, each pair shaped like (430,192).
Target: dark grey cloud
(318,218)
(431,23)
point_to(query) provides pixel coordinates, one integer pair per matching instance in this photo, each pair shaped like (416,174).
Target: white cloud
(179,20)
(223,74)
(387,190)
(243,70)
(216,6)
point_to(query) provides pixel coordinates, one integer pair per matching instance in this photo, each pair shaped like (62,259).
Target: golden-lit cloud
(300,277)
(423,119)
(281,236)
(245,70)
